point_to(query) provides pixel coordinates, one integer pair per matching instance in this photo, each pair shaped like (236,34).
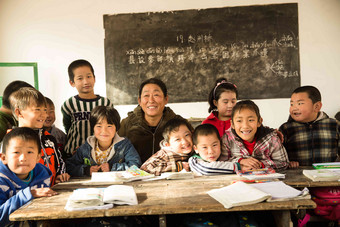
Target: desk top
(295,178)
(154,198)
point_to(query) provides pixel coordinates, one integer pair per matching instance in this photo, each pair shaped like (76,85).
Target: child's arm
(79,164)
(67,119)
(9,205)
(212,168)
(157,164)
(277,157)
(131,157)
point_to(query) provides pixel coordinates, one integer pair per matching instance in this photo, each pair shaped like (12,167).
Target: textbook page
(120,194)
(101,198)
(238,194)
(281,191)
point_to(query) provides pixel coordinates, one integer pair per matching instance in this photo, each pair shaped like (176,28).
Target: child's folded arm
(9,205)
(131,157)
(277,157)
(75,165)
(212,168)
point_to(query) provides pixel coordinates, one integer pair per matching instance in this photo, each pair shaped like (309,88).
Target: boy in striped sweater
(207,145)
(76,110)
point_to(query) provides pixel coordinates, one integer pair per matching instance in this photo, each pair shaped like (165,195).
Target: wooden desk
(155,198)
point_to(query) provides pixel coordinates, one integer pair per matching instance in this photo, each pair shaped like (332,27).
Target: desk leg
(162,220)
(282,218)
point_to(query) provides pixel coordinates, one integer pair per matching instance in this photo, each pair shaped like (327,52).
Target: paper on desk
(279,190)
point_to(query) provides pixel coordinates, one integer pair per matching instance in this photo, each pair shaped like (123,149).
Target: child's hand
(186,166)
(62,178)
(43,192)
(94,169)
(246,168)
(251,162)
(293,164)
(105,167)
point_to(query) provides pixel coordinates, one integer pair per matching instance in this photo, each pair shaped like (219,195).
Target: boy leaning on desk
(22,177)
(310,136)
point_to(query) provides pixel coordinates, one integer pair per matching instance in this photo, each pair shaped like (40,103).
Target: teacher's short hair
(156,81)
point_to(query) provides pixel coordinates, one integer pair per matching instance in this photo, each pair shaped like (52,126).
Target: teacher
(144,125)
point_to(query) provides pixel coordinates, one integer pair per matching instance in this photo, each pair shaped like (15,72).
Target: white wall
(56,32)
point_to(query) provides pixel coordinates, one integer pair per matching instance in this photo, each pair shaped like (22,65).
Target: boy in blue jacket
(104,151)
(22,177)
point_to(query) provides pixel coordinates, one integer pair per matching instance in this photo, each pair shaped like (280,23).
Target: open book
(240,193)
(322,174)
(131,174)
(260,174)
(101,198)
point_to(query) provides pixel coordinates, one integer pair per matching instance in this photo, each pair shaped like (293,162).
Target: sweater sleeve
(9,205)
(157,164)
(277,157)
(131,157)
(67,120)
(76,165)
(202,167)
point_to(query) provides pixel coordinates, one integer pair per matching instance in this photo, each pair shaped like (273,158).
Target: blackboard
(255,47)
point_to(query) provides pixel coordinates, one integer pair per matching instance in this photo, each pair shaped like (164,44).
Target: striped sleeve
(202,167)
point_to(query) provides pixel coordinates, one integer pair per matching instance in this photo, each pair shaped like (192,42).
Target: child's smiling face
(21,156)
(180,140)
(245,123)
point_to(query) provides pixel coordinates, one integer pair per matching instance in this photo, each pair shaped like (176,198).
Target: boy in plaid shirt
(176,148)
(310,136)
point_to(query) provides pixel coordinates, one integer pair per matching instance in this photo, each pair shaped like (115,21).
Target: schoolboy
(49,126)
(77,109)
(176,148)
(29,107)
(250,143)
(310,136)
(105,150)
(7,120)
(22,176)
(207,145)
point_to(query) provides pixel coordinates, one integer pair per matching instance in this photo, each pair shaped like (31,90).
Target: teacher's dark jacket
(136,129)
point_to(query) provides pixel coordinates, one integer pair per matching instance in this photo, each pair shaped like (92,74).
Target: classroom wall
(53,33)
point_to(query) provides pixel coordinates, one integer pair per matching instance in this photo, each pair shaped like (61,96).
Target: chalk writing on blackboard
(255,47)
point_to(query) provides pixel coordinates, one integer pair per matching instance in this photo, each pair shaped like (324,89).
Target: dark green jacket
(136,129)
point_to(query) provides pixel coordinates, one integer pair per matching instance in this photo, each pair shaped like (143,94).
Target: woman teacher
(144,125)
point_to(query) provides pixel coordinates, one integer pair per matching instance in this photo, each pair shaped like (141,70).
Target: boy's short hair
(10,89)
(108,112)
(24,133)
(156,81)
(247,104)
(49,101)
(313,93)
(76,64)
(173,125)
(204,130)
(24,97)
